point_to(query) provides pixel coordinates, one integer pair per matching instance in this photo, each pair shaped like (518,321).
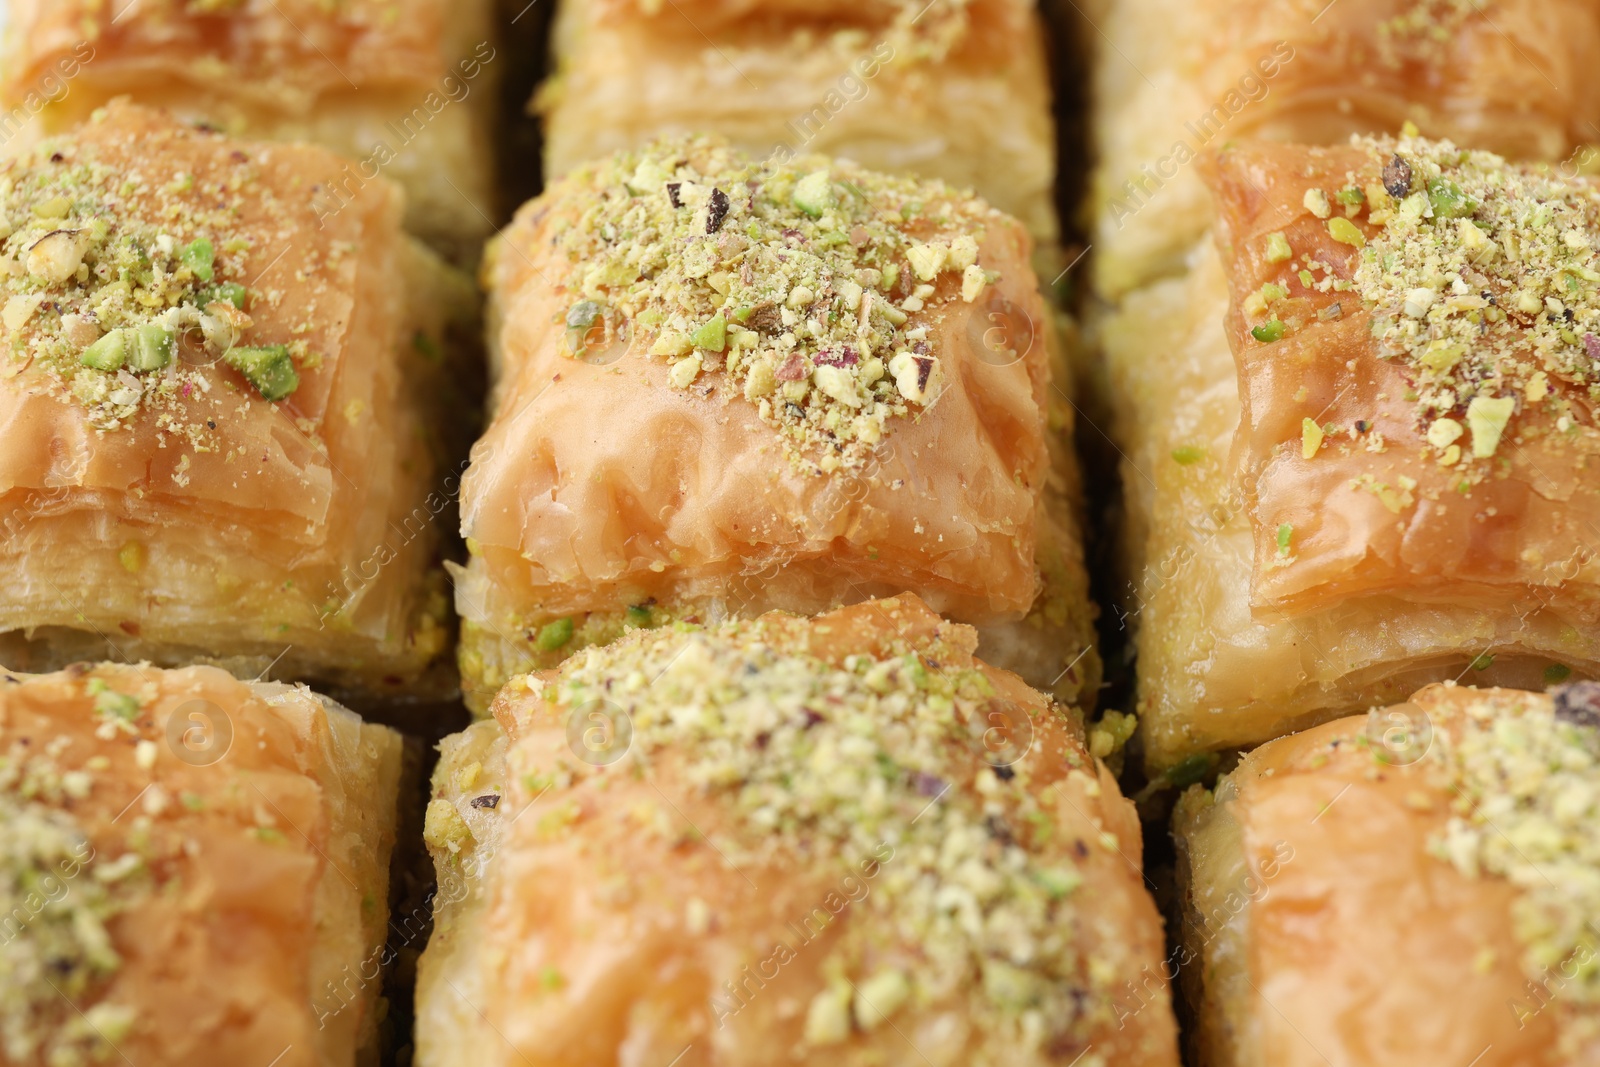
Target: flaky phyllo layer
(726,385)
(959,90)
(1380,472)
(188,866)
(403,89)
(209,396)
(1175,83)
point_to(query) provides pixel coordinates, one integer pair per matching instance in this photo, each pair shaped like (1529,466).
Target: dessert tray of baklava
(728,533)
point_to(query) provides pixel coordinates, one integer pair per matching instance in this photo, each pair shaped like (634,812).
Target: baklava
(1176,81)
(724,387)
(193,870)
(1413,886)
(1388,481)
(216,441)
(832,841)
(957,90)
(403,89)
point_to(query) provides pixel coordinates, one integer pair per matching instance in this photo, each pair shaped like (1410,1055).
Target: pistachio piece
(813,193)
(199,255)
(56,256)
(713,335)
(226,293)
(684,372)
(106,354)
(148,347)
(1487,418)
(927,260)
(267,367)
(911,375)
(1346,232)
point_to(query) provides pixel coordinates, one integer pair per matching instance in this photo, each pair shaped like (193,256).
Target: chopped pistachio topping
(805,289)
(1425,30)
(1526,772)
(105,272)
(881,759)
(1484,277)
(56,897)
(1269,331)
(267,368)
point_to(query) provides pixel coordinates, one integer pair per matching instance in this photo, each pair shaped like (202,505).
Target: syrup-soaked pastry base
(838,81)
(215,857)
(405,89)
(1321,923)
(578,923)
(1213,675)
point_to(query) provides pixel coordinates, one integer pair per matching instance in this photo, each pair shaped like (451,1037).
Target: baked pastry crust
(1174,82)
(1307,550)
(1347,898)
(176,513)
(960,91)
(581,918)
(195,869)
(402,88)
(761,488)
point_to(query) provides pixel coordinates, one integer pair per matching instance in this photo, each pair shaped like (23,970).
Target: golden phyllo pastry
(193,870)
(1410,887)
(1176,81)
(839,841)
(957,90)
(213,442)
(724,387)
(405,89)
(1400,489)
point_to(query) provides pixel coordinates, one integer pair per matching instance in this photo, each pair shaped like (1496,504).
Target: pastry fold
(843,838)
(957,91)
(725,387)
(1175,81)
(403,89)
(1388,480)
(1409,887)
(216,439)
(195,870)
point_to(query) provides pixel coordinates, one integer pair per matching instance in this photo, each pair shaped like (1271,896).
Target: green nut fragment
(581,316)
(107,353)
(1447,199)
(713,336)
(1557,673)
(198,255)
(1285,532)
(1059,881)
(639,614)
(1191,769)
(553,635)
(149,347)
(268,368)
(1187,454)
(813,194)
(1269,331)
(225,293)
(1278,248)
(1346,232)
